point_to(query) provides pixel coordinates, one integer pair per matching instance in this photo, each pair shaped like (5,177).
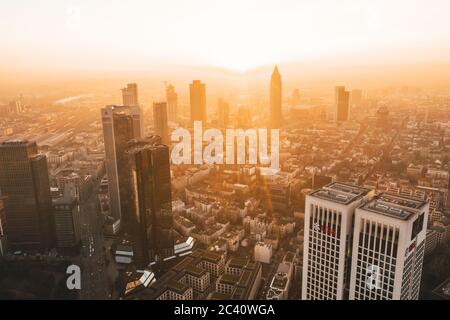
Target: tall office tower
(130,99)
(356,97)
(328,234)
(223,113)
(25,183)
(198,101)
(151,221)
(172,102)
(342,104)
(160,121)
(2,226)
(275,99)
(67,220)
(388,248)
(130,95)
(118,129)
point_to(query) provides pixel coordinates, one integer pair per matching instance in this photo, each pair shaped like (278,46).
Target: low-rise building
(263,252)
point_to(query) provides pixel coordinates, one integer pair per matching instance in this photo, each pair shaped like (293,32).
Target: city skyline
(225,150)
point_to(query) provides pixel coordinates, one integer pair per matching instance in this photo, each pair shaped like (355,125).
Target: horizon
(79,36)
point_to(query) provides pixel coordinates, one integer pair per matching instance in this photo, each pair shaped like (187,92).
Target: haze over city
(225,150)
(108,39)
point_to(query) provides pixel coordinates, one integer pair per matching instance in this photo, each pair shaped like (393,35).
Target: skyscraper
(130,99)
(150,222)
(223,112)
(67,217)
(118,129)
(2,226)
(160,121)
(198,101)
(67,221)
(356,97)
(275,99)
(388,248)
(130,95)
(172,103)
(328,235)
(25,183)
(342,104)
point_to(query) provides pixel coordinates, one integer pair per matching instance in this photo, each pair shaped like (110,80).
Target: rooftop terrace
(339,192)
(394,206)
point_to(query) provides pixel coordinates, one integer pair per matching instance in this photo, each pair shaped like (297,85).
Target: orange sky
(233,34)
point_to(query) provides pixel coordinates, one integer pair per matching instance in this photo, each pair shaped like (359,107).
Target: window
(417,226)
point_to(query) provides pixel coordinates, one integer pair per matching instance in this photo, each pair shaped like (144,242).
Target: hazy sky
(234,34)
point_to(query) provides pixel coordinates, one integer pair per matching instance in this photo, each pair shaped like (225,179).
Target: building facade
(24,182)
(149,219)
(197,91)
(328,235)
(275,99)
(342,104)
(118,129)
(172,103)
(388,248)
(160,122)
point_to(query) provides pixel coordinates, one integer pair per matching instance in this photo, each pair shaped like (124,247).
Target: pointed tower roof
(275,70)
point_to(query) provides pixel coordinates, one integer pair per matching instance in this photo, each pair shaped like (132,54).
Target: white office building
(328,235)
(388,248)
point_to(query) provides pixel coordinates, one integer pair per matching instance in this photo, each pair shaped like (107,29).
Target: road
(94,281)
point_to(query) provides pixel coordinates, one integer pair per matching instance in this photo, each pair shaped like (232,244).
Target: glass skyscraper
(24,183)
(149,219)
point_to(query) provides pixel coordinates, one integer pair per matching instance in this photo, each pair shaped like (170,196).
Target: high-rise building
(25,183)
(3,243)
(342,104)
(67,221)
(160,121)
(275,99)
(118,129)
(150,222)
(328,233)
(197,91)
(388,248)
(130,100)
(130,95)
(223,113)
(356,97)
(172,102)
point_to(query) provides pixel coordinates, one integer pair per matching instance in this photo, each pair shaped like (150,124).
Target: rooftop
(237,263)
(177,287)
(394,206)
(279,281)
(219,296)
(229,279)
(340,192)
(15,142)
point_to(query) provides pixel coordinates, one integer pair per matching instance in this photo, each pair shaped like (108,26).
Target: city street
(94,283)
